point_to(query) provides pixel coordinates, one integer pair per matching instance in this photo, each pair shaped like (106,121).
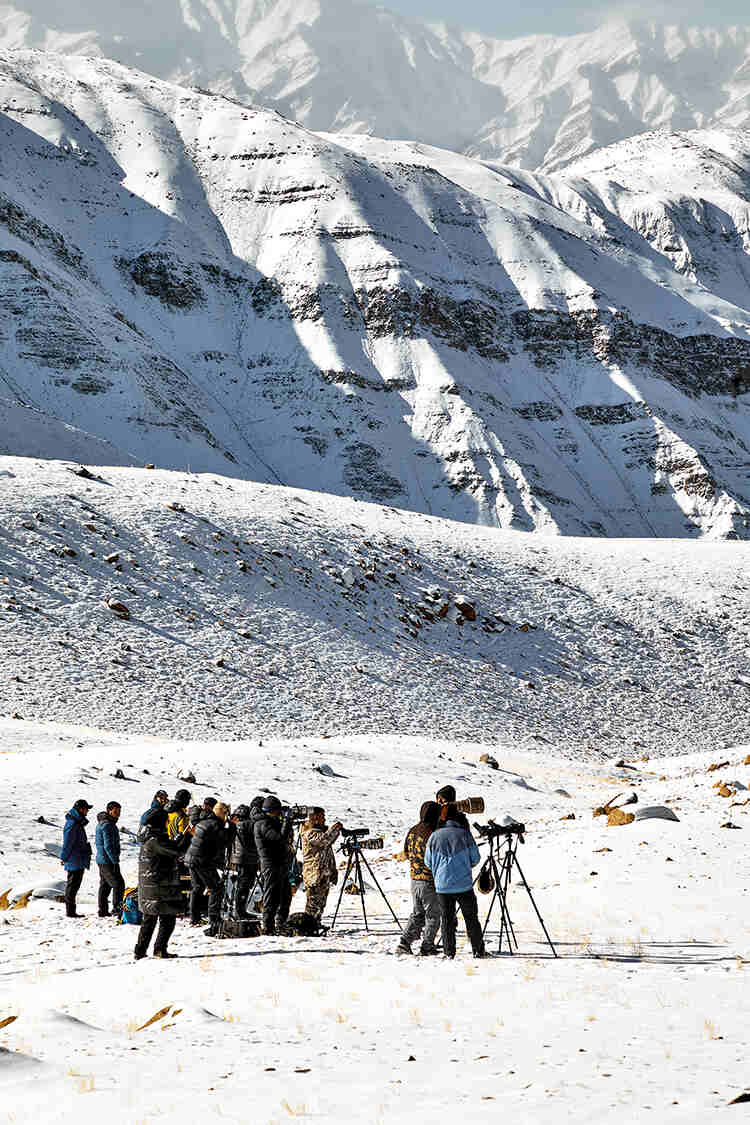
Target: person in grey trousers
(425,915)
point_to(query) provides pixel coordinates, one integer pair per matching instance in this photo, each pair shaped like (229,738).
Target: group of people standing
(441,853)
(202,840)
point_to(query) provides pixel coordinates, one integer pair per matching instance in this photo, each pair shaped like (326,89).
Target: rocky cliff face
(205,284)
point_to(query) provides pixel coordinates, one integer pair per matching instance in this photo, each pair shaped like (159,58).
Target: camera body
(353,840)
(355,833)
(492,831)
(296,813)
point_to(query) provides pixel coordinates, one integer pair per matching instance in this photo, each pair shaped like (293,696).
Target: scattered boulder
(728,824)
(656,812)
(617,817)
(176,506)
(718,766)
(113,558)
(488,760)
(570,816)
(466,608)
(119,608)
(187,775)
(348,576)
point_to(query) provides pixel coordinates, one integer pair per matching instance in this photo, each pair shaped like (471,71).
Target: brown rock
(617,817)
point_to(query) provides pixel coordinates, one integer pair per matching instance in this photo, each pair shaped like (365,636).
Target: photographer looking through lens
(450,855)
(275,854)
(318,863)
(425,913)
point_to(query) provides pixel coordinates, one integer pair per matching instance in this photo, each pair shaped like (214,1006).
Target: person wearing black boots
(273,841)
(159,891)
(205,858)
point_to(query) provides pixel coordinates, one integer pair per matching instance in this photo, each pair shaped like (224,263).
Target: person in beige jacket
(318,861)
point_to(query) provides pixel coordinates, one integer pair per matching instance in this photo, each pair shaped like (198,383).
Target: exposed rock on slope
(208,285)
(205,606)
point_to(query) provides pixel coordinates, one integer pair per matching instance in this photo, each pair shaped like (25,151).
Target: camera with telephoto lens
(471,804)
(297,813)
(354,838)
(492,831)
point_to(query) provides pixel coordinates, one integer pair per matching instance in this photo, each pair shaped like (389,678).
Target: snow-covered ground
(645,1012)
(265,610)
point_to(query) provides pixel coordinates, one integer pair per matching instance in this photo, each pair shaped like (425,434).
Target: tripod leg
(341,892)
(361,885)
(374,878)
(507,864)
(536,909)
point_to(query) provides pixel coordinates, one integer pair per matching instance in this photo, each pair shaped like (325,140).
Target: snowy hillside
(208,286)
(263,610)
(538,102)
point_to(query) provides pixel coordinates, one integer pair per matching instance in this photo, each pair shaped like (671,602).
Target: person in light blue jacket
(450,855)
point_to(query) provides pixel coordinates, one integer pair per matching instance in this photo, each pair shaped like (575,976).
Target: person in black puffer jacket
(159,893)
(275,853)
(243,859)
(205,858)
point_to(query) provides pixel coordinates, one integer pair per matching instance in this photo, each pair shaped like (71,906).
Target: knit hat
(272,804)
(182,797)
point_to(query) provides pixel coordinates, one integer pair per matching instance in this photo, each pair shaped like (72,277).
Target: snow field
(644,1010)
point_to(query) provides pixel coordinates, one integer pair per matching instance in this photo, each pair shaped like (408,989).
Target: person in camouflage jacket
(425,915)
(318,861)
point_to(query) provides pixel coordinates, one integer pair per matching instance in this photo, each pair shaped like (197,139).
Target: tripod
(507,843)
(353,849)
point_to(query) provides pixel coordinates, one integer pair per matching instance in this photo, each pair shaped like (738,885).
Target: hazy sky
(561,17)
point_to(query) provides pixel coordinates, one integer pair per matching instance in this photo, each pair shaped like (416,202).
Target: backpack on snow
(302,925)
(131,912)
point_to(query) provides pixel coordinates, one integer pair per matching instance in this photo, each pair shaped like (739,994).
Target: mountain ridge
(536,102)
(208,285)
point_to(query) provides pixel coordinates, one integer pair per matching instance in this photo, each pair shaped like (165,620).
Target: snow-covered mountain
(208,285)
(340,66)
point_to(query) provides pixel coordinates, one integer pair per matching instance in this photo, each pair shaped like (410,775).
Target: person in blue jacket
(108,860)
(76,853)
(450,855)
(160,799)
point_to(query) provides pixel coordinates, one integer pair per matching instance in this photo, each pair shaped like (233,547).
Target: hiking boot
(75,915)
(428,951)
(165,954)
(138,956)
(480,955)
(402,947)
(448,956)
(212,931)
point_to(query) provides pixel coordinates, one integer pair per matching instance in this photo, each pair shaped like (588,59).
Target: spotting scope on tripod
(496,872)
(352,845)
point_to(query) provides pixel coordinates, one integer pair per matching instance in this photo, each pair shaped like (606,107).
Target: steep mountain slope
(538,102)
(255,609)
(210,286)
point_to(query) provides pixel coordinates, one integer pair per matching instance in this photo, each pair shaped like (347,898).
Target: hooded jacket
(107,840)
(76,850)
(450,855)
(416,841)
(318,860)
(244,853)
(273,846)
(159,887)
(154,805)
(208,848)
(178,820)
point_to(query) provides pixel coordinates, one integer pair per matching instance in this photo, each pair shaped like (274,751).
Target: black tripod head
(497,834)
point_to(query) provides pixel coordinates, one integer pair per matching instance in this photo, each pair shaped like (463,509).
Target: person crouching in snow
(318,862)
(450,855)
(425,913)
(159,888)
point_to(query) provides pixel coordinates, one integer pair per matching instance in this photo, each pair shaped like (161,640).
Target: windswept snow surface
(643,1015)
(208,286)
(258,609)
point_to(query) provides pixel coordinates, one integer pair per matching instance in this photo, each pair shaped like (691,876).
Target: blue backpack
(130,910)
